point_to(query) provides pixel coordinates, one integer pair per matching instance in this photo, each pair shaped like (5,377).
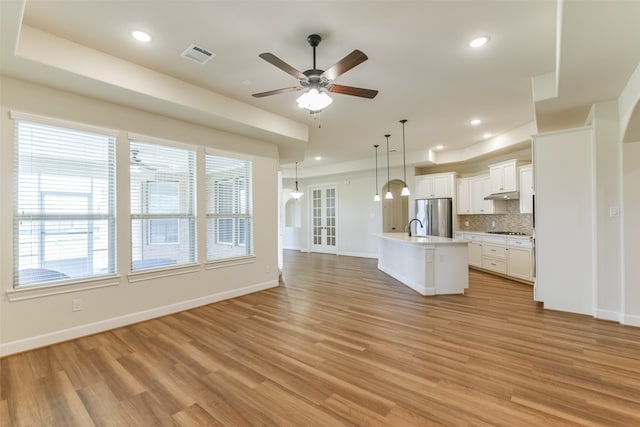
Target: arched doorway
(395,212)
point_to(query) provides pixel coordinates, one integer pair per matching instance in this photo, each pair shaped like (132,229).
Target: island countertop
(421,240)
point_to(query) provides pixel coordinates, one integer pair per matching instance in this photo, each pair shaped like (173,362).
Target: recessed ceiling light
(479,41)
(318,158)
(141,36)
(475,122)
(439,147)
(487,135)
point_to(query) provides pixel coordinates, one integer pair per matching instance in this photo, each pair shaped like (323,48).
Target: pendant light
(388,196)
(376,198)
(405,189)
(296,194)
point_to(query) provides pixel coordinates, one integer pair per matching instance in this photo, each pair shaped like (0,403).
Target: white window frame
(41,288)
(239,204)
(146,217)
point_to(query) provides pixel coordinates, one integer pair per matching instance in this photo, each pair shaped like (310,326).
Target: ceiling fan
(317,82)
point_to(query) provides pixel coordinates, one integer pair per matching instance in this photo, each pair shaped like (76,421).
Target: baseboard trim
(43,340)
(614,316)
(422,290)
(631,320)
(359,254)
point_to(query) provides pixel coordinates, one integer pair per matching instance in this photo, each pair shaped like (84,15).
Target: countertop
(484,233)
(421,240)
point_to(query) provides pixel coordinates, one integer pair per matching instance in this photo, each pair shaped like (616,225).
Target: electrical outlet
(76,304)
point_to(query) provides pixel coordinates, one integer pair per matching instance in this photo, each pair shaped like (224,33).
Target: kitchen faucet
(414,219)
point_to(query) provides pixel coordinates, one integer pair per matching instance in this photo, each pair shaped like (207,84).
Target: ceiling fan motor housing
(314,40)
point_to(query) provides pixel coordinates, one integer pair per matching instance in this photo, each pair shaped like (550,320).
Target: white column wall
(608,196)
(631,234)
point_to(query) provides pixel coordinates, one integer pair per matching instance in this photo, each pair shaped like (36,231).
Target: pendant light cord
(297,177)
(388,179)
(404,156)
(376,146)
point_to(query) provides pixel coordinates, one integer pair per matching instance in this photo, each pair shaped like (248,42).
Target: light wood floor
(339,343)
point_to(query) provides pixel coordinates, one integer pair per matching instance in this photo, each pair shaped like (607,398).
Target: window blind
(64,207)
(162,205)
(229,207)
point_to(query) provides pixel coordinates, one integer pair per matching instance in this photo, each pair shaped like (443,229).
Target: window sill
(38,291)
(156,273)
(228,262)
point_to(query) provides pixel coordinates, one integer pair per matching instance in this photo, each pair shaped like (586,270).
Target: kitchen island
(429,265)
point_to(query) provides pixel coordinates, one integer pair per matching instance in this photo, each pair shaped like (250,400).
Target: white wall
(608,195)
(565,220)
(39,321)
(359,217)
(292,211)
(631,214)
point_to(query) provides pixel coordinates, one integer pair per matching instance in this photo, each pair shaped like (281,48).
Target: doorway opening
(395,212)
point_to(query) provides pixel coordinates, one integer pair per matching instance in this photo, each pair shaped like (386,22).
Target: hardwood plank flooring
(339,343)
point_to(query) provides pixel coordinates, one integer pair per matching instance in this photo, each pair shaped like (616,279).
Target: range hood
(509,195)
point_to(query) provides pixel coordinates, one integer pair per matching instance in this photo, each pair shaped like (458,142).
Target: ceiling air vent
(198,54)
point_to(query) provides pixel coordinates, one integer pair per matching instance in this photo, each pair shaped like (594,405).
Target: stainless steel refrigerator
(435,216)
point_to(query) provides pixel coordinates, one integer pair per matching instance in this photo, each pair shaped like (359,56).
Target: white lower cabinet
(475,254)
(520,259)
(494,255)
(511,256)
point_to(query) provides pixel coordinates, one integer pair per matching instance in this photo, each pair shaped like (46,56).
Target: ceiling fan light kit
(315,82)
(314,100)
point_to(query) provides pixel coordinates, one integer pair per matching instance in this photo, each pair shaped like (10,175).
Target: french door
(324,205)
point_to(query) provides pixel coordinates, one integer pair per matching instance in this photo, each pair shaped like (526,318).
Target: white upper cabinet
(504,176)
(526,188)
(464,197)
(435,185)
(481,187)
(471,194)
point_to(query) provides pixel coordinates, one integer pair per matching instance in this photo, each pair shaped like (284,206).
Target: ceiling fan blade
(274,60)
(354,91)
(345,64)
(277,91)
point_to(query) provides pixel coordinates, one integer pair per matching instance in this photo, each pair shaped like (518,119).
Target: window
(162,205)
(229,208)
(64,218)
(164,198)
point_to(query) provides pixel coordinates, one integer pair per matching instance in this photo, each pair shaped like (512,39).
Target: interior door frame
(312,246)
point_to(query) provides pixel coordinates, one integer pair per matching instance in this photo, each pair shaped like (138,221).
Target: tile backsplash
(512,220)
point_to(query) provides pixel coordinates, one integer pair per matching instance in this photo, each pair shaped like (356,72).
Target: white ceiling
(418,52)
